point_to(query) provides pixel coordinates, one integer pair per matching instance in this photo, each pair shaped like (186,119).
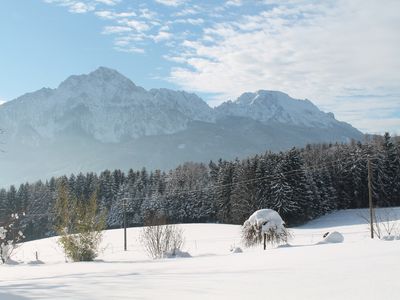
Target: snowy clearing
(358,268)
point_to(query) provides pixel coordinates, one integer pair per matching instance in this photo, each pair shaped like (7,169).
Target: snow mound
(391,237)
(36,262)
(12,262)
(177,253)
(333,237)
(236,250)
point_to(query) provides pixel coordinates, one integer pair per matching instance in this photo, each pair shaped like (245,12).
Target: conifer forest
(300,184)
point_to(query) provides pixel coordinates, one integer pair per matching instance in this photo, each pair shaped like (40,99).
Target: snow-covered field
(358,268)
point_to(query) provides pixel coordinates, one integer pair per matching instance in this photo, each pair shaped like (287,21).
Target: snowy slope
(358,268)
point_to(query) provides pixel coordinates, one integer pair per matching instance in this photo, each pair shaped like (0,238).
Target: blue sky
(342,55)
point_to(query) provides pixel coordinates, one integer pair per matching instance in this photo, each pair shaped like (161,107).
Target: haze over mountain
(103,120)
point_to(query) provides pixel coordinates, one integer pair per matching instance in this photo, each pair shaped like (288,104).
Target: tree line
(300,184)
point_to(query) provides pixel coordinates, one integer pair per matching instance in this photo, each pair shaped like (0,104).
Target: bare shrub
(386,222)
(160,239)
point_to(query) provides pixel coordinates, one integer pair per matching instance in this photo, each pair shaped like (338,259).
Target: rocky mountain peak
(277,107)
(104,80)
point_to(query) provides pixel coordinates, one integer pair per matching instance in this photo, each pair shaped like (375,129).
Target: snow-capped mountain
(103,120)
(105,105)
(278,107)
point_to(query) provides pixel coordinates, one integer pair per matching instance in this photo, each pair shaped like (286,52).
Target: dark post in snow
(265,240)
(124,204)
(371,214)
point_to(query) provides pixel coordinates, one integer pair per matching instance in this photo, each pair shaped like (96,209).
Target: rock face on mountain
(104,105)
(103,120)
(278,107)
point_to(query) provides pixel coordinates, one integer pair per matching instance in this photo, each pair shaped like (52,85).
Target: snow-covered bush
(10,235)
(264,225)
(161,240)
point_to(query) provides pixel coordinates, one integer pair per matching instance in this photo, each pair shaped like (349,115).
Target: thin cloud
(148,14)
(234,3)
(110,15)
(171,2)
(130,49)
(116,29)
(81,8)
(162,36)
(188,11)
(78,7)
(314,51)
(191,21)
(109,2)
(136,25)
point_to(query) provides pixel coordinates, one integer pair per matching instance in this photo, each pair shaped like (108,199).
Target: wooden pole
(265,241)
(371,213)
(125,246)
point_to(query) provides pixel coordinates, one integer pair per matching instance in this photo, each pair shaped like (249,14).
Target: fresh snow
(357,268)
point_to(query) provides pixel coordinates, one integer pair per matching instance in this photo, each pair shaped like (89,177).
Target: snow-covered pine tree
(240,196)
(265,173)
(223,192)
(391,169)
(317,189)
(22,196)
(91,185)
(293,171)
(328,192)
(79,189)
(12,199)
(4,209)
(339,164)
(244,190)
(214,170)
(105,192)
(282,199)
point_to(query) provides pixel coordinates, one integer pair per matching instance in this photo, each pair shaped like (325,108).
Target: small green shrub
(79,225)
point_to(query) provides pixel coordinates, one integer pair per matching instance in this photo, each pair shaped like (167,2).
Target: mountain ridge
(155,111)
(103,120)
